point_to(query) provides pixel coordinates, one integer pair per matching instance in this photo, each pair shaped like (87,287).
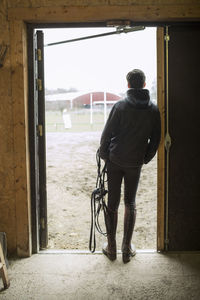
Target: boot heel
(128,253)
(126,257)
(111,256)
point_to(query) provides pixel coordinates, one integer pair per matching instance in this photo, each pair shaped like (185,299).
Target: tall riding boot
(129,222)
(110,248)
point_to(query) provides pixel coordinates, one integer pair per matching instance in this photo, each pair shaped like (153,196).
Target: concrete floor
(93,276)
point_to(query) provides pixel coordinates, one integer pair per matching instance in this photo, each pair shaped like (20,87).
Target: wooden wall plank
(40,3)
(151,2)
(150,13)
(161,150)
(7,193)
(46,3)
(19,97)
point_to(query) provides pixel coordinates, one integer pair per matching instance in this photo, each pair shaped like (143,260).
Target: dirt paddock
(71,177)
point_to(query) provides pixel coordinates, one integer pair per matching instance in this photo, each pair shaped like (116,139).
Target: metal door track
(63,251)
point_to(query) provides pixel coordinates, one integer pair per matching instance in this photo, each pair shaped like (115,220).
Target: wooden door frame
(18,18)
(161,149)
(161,152)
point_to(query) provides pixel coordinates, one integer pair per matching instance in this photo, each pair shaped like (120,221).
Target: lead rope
(98,203)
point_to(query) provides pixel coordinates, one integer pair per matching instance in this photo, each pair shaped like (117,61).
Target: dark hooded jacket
(131,135)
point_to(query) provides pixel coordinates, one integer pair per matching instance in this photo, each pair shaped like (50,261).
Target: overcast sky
(100,63)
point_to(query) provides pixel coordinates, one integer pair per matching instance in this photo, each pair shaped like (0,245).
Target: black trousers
(115,175)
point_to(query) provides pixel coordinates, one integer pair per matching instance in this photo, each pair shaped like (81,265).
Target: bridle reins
(98,202)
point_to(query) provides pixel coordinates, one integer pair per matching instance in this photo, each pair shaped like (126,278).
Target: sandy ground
(71,178)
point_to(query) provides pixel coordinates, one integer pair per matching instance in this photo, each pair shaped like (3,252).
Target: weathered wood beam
(20,119)
(137,13)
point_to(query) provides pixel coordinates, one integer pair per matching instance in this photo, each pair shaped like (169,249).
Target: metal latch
(167,38)
(168,141)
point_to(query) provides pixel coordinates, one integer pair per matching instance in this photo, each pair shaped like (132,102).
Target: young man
(130,138)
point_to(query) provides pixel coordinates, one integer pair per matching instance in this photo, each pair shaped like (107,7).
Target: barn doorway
(76,75)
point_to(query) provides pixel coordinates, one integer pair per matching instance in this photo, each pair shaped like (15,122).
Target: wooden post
(19,81)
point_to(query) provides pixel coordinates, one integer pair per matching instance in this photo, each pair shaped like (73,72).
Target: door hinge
(39,54)
(42,223)
(40,130)
(39,84)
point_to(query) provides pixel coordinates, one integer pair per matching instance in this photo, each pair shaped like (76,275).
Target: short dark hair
(136,78)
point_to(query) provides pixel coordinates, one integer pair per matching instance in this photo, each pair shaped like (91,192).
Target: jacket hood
(138,98)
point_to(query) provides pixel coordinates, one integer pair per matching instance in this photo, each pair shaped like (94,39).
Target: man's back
(131,124)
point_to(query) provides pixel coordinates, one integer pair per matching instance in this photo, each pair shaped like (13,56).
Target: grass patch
(80,120)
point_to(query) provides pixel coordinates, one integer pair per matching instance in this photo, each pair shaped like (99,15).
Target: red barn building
(85,100)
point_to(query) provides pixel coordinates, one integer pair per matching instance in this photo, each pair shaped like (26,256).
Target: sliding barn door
(37,139)
(40,137)
(184,127)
